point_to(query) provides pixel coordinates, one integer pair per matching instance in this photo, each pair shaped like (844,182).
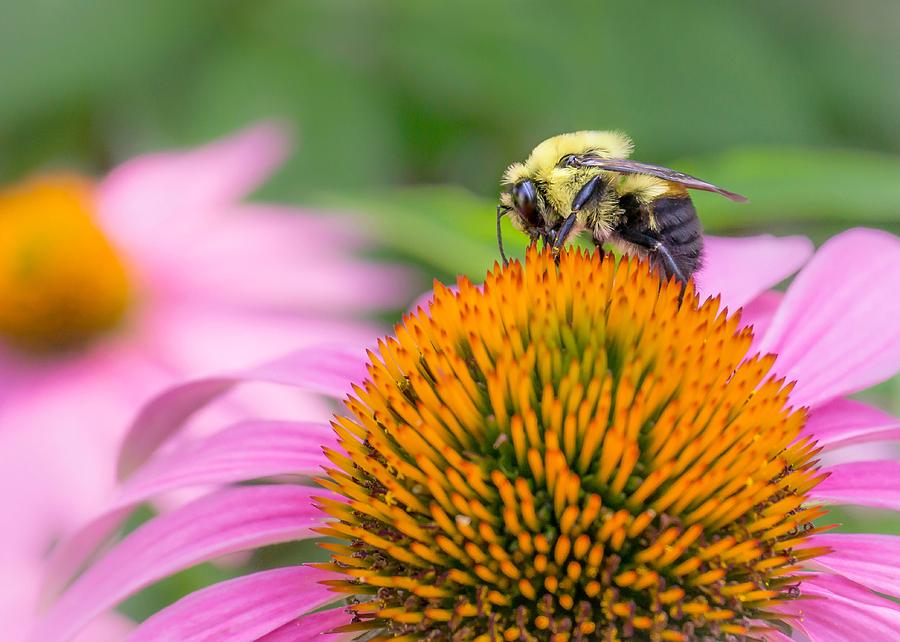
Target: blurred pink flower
(158,273)
(834,332)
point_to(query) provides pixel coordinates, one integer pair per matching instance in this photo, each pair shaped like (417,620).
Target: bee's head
(524,202)
(549,178)
(539,193)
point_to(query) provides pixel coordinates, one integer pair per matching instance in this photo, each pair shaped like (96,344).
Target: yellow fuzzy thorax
(569,453)
(543,158)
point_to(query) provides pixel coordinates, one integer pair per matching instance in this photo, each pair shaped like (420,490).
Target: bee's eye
(524,196)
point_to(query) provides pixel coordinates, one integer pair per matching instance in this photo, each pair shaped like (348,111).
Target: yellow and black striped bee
(585,181)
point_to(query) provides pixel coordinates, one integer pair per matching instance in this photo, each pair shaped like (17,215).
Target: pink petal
(865,483)
(326,371)
(313,628)
(60,426)
(19,612)
(245,451)
(324,276)
(109,627)
(741,268)
(152,199)
(229,520)
(775,636)
(239,610)
(844,612)
(69,557)
(249,450)
(21,578)
(843,422)
(837,330)
(870,560)
(202,337)
(759,313)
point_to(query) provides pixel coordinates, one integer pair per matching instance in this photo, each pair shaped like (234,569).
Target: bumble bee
(584,181)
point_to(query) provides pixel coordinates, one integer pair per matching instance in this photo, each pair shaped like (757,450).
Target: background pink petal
(741,268)
(19,611)
(229,520)
(249,450)
(154,200)
(870,560)
(17,591)
(837,330)
(844,612)
(60,423)
(279,258)
(109,627)
(313,628)
(68,557)
(842,422)
(239,610)
(326,371)
(864,483)
(202,338)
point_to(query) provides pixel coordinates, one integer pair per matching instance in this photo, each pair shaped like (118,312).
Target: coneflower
(570,454)
(565,453)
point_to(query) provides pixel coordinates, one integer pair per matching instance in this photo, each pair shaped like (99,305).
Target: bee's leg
(593,190)
(547,239)
(501,210)
(654,245)
(564,231)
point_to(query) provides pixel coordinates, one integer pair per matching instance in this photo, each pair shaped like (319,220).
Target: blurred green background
(794,103)
(407,112)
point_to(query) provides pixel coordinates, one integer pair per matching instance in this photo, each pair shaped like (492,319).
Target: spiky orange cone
(569,454)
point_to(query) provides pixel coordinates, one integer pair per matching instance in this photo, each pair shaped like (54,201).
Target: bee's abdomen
(679,228)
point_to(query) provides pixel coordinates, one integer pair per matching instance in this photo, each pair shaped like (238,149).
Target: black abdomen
(679,229)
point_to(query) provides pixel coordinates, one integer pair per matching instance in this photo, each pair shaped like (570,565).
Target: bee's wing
(624,166)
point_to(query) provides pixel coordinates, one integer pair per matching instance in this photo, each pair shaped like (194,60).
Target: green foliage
(449,230)
(400,92)
(802,186)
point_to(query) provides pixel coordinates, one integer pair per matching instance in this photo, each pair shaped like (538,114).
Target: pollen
(572,452)
(61,281)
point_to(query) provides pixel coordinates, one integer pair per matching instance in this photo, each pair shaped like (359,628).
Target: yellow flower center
(61,281)
(569,454)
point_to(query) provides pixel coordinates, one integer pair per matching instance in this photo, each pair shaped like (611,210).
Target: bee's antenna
(501,210)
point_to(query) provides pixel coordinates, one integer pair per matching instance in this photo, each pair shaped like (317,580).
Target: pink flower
(834,332)
(109,293)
